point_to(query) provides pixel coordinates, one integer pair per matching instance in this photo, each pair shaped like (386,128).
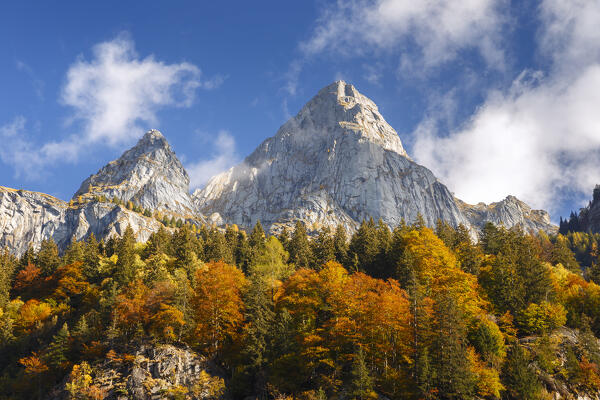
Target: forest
(408,313)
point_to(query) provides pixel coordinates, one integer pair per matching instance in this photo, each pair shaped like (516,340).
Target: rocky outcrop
(155,372)
(339,161)
(149,175)
(27,218)
(508,212)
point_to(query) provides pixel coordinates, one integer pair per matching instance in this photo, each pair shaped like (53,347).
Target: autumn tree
(218,306)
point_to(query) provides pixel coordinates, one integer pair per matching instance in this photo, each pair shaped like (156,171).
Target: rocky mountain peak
(149,174)
(337,162)
(339,110)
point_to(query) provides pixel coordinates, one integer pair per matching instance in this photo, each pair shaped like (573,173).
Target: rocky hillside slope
(153,372)
(339,161)
(27,218)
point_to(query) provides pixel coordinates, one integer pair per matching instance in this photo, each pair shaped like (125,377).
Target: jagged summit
(149,174)
(337,162)
(338,110)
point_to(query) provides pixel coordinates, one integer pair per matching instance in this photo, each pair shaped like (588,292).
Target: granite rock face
(508,212)
(149,174)
(27,218)
(339,161)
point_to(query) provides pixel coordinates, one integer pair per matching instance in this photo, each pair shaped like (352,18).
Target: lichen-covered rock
(149,174)
(155,372)
(338,161)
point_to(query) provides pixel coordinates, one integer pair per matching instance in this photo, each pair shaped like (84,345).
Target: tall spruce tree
(452,370)
(47,258)
(126,257)
(340,245)
(57,353)
(300,249)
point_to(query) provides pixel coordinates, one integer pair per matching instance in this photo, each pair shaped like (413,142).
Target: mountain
(339,161)
(588,218)
(27,218)
(149,175)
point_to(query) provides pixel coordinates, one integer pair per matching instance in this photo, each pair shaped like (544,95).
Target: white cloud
(116,91)
(539,139)
(225,156)
(115,96)
(439,28)
(36,83)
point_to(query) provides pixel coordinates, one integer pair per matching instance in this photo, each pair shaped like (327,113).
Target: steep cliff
(27,218)
(339,161)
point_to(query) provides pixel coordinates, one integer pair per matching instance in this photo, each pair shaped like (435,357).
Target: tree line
(412,312)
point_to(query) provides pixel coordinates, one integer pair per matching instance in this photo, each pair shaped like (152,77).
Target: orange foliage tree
(218,305)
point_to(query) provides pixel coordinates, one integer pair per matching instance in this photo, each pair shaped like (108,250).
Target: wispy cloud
(114,97)
(224,157)
(36,83)
(425,33)
(541,137)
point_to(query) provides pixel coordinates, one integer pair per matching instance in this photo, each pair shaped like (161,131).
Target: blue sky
(496,97)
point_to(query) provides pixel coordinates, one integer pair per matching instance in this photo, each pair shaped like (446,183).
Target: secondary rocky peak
(149,174)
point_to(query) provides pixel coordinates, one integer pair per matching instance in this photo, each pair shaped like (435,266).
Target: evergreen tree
(216,248)
(453,377)
(520,380)
(47,258)
(300,249)
(91,258)
(364,246)
(257,238)
(323,248)
(340,245)
(57,352)
(284,238)
(126,257)
(361,383)
(8,264)
(74,252)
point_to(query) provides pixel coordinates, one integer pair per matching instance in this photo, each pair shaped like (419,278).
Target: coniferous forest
(409,313)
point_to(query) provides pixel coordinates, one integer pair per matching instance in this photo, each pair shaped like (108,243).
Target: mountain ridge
(336,162)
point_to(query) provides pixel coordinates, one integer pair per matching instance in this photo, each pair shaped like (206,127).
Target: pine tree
(323,248)
(47,258)
(57,352)
(74,252)
(453,376)
(216,248)
(340,245)
(364,245)
(8,264)
(520,380)
(361,383)
(257,238)
(126,257)
(300,250)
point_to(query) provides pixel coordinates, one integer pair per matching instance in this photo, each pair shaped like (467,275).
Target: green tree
(126,257)
(340,245)
(364,246)
(323,248)
(519,378)
(47,258)
(57,353)
(361,383)
(8,264)
(300,249)
(453,376)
